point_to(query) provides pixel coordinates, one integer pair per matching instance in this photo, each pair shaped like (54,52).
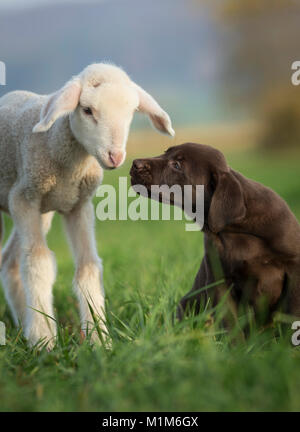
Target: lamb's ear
(148,105)
(227,204)
(58,104)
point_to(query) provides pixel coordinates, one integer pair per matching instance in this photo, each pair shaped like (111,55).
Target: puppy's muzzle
(140,172)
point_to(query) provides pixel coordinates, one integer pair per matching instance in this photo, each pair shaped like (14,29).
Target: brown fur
(249,230)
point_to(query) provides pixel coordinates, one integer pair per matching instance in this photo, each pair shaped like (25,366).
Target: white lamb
(53,150)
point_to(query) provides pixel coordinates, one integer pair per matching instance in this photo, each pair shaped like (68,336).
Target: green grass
(153,364)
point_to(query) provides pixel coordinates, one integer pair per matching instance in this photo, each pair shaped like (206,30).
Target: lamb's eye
(87,111)
(177,165)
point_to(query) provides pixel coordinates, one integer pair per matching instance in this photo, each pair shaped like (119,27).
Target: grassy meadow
(154,364)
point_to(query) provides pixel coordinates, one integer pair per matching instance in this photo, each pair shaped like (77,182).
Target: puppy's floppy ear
(58,104)
(148,105)
(227,204)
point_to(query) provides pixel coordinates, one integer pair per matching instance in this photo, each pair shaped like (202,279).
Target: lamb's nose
(138,164)
(116,158)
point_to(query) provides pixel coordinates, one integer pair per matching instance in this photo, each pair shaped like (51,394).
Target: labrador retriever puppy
(251,237)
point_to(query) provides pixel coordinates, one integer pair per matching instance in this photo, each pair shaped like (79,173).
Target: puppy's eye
(177,165)
(87,111)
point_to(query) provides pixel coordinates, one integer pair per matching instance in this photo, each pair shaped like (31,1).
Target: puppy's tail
(1,236)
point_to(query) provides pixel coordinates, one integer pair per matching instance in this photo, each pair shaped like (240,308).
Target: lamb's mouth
(103,164)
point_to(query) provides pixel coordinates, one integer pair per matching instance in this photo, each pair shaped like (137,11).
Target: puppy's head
(196,164)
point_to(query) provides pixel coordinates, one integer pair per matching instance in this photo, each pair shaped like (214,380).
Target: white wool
(53,151)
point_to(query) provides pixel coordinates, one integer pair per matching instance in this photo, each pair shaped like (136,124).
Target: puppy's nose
(116,158)
(138,164)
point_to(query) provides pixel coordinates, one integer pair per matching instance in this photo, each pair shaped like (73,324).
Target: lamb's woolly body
(52,159)
(57,170)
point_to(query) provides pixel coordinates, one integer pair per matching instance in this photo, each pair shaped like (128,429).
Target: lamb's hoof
(42,343)
(41,336)
(96,340)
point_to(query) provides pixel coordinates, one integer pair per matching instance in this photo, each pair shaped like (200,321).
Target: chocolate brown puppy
(251,237)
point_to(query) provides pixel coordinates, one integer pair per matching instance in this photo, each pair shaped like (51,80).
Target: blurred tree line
(264,42)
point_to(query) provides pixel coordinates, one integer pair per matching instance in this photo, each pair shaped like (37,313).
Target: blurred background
(221,69)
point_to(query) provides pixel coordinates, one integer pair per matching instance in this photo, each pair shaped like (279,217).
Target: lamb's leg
(37,266)
(10,273)
(88,283)
(11,279)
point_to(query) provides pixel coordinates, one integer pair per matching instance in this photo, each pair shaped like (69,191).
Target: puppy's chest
(238,251)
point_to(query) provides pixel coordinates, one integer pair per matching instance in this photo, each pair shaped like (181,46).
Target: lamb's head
(100,102)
